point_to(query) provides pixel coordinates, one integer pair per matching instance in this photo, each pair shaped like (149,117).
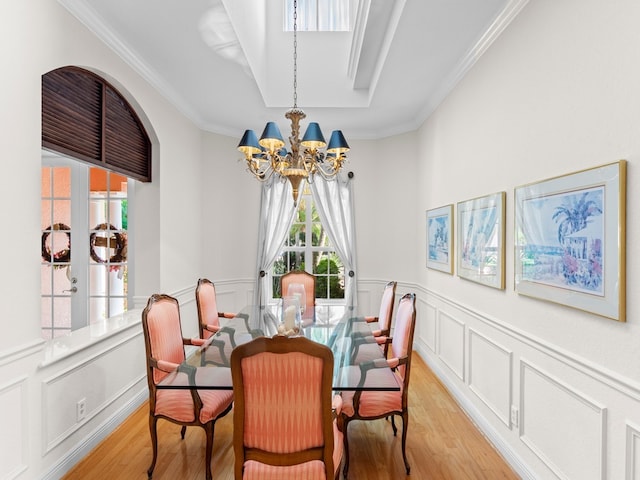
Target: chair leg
(345,469)
(208,429)
(393,425)
(154,443)
(405,424)
(182,431)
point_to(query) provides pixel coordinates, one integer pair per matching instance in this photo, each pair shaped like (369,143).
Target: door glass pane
(55,254)
(62,182)
(89,205)
(108,242)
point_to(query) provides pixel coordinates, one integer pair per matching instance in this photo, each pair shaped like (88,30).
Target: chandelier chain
(295,53)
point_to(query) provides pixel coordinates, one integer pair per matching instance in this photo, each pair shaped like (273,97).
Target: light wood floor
(442,444)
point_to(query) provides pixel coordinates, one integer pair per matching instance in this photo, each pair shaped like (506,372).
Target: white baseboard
(82,449)
(479,421)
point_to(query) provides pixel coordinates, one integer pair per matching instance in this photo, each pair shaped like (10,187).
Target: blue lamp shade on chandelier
(313,138)
(271,138)
(337,143)
(249,144)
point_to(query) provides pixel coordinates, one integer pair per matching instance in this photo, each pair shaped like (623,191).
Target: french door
(83,245)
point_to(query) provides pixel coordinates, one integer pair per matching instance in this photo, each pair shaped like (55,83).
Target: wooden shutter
(84,117)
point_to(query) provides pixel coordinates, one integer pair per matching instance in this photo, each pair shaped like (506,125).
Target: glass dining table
(359,363)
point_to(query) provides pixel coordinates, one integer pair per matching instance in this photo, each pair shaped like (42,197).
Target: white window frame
(318,16)
(308,249)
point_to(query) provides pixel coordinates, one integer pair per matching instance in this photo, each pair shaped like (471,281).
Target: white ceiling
(228,66)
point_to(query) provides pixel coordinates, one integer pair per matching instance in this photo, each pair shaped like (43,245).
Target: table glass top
(358,359)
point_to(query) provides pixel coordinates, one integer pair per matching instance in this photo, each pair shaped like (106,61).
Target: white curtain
(334,202)
(276,216)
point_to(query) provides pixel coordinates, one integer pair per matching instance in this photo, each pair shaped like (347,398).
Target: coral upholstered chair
(308,281)
(209,323)
(208,314)
(164,346)
(283,421)
(385,316)
(372,405)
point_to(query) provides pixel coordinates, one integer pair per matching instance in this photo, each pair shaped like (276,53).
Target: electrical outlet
(81,409)
(514,416)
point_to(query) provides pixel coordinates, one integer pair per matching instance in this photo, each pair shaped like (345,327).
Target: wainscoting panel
(490,374)
(562,426)
(451,343)
(552,414)
(93,379)
(633,453)
(426,324)
(15,428)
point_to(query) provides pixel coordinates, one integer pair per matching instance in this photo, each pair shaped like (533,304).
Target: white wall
(556,93)
(385,189)
(38,394)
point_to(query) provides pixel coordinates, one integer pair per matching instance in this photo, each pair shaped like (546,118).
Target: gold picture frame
(481,237)
(570,240)
(440,239)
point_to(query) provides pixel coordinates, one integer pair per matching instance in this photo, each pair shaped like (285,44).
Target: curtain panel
(334,203)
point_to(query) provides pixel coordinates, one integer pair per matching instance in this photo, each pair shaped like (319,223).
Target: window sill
(65,346)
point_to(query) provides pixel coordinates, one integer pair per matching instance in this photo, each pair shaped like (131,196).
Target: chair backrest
(402,345)
(207,307)
(304,278)
(386,306)
(162,335)
(282,402)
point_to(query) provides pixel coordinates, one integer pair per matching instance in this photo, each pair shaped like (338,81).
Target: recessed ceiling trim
(500,23)
(374,27)
(359,27)
(385,46)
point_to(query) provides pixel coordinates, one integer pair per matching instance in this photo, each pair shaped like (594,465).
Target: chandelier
(305,158)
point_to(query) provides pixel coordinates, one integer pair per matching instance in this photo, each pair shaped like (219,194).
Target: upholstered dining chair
(384,317)
(209,323)
(164,345)
(372,405)
(308,281)
(208,314)
(283,415)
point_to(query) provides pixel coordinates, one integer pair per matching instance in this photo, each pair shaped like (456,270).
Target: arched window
(84,117)
(94,147)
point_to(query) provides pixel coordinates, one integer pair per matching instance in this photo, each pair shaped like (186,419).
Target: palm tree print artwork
(565,240)
(570,240)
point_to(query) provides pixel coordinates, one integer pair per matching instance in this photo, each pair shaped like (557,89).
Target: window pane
(297,234)
(45,306)
(61,182)
(46,182)
(318,15)
(309,239)
(288,260)
(62,309)
(329,275)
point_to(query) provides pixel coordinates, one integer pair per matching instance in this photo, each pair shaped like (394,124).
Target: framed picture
(570,240)
(481,240)
(440,239)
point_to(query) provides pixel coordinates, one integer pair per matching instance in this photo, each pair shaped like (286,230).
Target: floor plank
(442,444)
